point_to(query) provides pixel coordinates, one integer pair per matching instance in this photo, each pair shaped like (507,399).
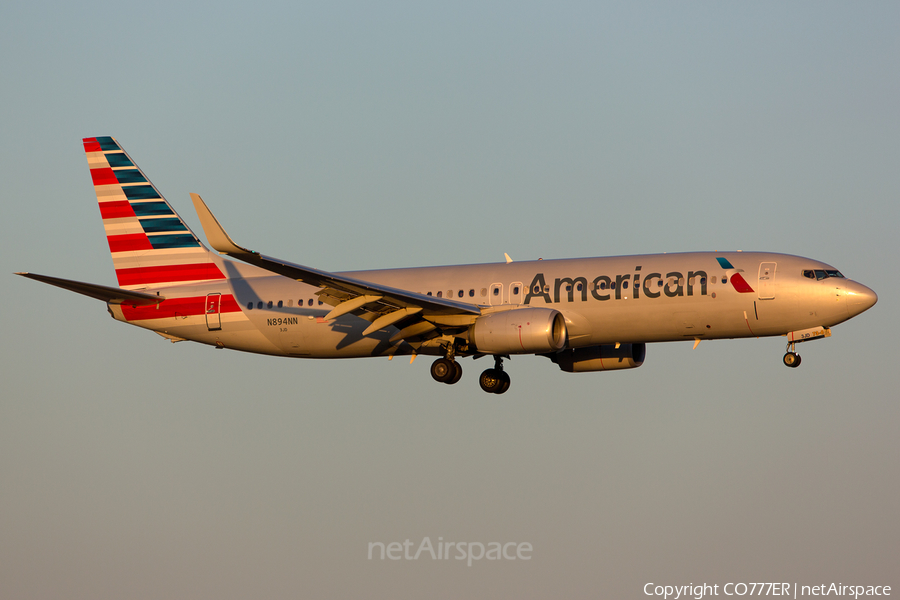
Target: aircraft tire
(491,381)
(504,376)
(457,373)
(792,360)
(442,370)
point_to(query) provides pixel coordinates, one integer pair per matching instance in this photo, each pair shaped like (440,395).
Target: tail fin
(149,243)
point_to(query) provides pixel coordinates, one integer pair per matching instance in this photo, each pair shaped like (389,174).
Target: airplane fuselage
(625,299)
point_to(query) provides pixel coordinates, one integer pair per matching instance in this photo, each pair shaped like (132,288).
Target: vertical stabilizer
(150,245)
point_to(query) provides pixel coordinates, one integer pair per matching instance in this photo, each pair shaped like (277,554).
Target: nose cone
(859,298)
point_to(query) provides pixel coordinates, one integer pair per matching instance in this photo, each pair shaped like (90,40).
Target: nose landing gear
(791,358)
(496,380)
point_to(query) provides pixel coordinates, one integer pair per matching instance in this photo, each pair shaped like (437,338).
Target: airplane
(584,314)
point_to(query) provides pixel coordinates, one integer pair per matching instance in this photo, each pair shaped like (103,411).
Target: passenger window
(496,291)
(280,304)
(269,305)
(429,293)
(483,292)
(713,278)
(320,303)
(460,294)
(309,303)
(440,294)
(249,306)
(579,287)
(259,304)
(516,291)
(471,293)
(290,302)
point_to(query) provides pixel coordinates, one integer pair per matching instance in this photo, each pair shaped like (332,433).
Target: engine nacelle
(601,358)
(520,331)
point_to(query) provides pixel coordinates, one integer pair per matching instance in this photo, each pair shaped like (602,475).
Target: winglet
(215,234)
(508,259)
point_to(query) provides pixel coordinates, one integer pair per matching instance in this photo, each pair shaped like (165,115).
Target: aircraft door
(496,294)
(767,280)
(213,316)
(515,292)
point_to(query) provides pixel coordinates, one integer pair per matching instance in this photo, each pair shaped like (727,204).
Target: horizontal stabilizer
(100,292)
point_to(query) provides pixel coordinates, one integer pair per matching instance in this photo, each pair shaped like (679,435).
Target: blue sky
(357,135)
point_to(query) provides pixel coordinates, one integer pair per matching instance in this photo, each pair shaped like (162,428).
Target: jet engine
(520,331)
(600,358)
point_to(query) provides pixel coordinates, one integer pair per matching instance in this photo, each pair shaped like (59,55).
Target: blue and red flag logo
(739,283)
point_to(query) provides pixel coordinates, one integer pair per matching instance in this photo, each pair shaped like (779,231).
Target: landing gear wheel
(491,381)
(457,373)
(442,370)
(504,376)
(791,359)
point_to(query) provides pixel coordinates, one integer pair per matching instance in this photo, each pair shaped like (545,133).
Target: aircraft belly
(343,338)
(288,332)
(235,332)
(309,335)
(651,321)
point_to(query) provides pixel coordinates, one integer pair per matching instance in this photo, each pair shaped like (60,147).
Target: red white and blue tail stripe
(151,246)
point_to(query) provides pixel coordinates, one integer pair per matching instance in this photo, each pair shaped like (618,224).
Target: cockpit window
(820,274)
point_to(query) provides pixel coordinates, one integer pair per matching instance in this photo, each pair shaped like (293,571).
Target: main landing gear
(446,370)
(493,381)
(496,380)
(791,358)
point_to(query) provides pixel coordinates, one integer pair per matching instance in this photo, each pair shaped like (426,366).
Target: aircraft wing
(100,292)
(383,305)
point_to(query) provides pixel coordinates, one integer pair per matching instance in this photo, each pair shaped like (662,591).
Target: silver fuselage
(623,299)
